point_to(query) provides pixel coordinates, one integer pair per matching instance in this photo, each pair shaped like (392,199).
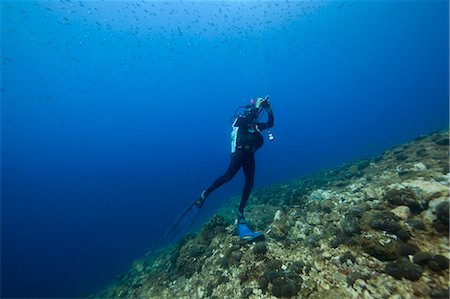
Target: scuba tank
(247,109)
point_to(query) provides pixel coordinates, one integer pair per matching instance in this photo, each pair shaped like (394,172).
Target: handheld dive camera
(266,102)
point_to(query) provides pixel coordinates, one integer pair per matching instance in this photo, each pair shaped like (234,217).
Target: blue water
(115,115)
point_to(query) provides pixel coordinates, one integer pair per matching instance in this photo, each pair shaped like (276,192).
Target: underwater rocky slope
(369,229)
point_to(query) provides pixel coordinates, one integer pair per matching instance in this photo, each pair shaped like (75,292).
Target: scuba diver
(246,139)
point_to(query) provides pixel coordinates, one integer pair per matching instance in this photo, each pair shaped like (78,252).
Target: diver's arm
(269,123)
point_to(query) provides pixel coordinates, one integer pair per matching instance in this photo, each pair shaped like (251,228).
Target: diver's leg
(248,166)
(233,168)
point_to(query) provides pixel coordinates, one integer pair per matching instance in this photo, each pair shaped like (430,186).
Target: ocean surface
(115,115)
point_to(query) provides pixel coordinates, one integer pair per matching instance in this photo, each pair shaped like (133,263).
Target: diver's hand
(259,102)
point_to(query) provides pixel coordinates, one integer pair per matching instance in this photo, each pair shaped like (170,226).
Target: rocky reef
(368,229)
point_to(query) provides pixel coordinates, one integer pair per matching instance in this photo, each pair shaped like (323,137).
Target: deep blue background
(115,115)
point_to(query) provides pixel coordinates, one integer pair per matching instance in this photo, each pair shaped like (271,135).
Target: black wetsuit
(247,141)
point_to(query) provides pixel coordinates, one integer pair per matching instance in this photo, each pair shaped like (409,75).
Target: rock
(350,225)
(313,218)
(312,241)
(297,267)
(416,224)
(334,216)
(330,229)
(442,213)
(430,213)
(320,194)
(377,233)
(384,220)
(213,228)
(408,249)
(400,156)
(273,265)
(404,269)
(260,249)
(403,235)
(247,292)
(440,228)
(353,276)
(327,206)
(443,141)
(347,256)
(277,216)
(426,188)
(284,284)
(356,211)
(326,255)
(263,283)
(287,285)
(279,230)
(419,167)
(401,212)
(340,238)
(399,197)
(422,258)
(209,290)
(405,197)
(236,257)
(421,152)
(439,293)
(438,263)
(387,252)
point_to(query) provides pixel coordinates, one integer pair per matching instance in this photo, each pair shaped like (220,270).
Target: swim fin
(246,234)
(184,222)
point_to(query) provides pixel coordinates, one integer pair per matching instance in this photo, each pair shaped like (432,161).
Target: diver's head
(250,109)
